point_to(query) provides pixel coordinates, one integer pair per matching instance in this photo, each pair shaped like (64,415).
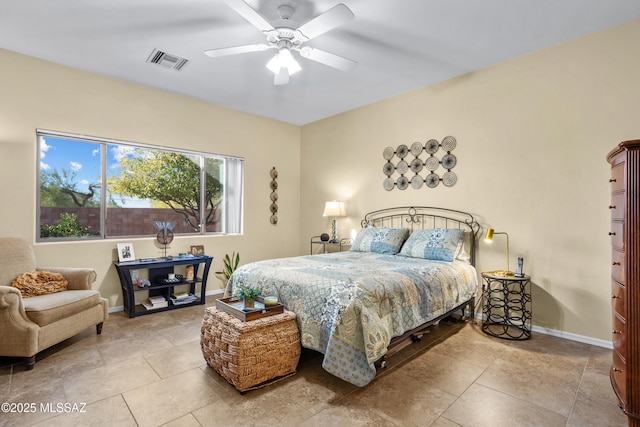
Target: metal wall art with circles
(273,207)
(417,158)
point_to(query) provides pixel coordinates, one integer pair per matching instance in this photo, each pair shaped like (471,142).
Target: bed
(407,269)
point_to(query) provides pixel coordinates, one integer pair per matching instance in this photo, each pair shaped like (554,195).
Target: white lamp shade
(334,209)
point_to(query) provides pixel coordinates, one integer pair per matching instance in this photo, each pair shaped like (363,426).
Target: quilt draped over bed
(350,304)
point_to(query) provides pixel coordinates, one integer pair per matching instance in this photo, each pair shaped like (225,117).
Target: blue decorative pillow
(441,244)
(381,240)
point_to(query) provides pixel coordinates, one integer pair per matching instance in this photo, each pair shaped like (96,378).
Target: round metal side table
(506,306)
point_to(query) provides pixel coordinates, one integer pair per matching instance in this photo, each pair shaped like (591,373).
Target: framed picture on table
(125,252)
(197,250)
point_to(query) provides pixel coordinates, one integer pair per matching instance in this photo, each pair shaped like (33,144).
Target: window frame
(228,227)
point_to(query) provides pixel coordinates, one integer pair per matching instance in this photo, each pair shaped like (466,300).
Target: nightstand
(339,246)
(506,306)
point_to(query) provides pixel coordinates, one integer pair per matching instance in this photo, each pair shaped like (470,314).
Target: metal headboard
(424,217)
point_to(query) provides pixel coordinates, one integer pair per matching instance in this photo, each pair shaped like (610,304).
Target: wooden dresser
(625,274)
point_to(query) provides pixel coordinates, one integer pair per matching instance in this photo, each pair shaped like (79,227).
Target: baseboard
(565,335)
(116,309)
(217,293)
(573,337)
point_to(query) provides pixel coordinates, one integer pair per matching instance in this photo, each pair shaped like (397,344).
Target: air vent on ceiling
(167,60)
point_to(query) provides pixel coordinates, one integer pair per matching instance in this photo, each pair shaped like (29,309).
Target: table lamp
(489,238)
(334,210)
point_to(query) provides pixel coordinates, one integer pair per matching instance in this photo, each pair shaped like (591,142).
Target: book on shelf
(181,302)
(157,299)
(152,306)
(183,298)
(180,295)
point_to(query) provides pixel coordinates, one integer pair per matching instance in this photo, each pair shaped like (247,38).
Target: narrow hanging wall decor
(410,165)
(273,208)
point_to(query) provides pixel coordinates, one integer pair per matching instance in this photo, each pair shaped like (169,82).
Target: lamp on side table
(334,210)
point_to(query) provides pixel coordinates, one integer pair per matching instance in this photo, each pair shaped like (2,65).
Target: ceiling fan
(286,36)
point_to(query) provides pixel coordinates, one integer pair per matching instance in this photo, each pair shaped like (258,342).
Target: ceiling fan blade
(250,14)
(327,58)
(329,20)
(225,51)
(282,78)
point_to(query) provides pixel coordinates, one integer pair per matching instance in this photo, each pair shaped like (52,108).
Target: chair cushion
(46,309)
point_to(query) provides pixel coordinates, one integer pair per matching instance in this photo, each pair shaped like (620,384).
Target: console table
(158,273)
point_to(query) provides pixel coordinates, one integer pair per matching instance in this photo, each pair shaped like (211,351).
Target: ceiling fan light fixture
(286,35)
(283,59)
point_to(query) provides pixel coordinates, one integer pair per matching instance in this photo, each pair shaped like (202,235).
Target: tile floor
(149,371)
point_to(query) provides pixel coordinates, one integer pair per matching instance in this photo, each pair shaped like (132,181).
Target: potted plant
(248,295)
(230,265)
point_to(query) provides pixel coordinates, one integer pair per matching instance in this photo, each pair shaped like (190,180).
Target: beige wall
(533,134)
(38,94)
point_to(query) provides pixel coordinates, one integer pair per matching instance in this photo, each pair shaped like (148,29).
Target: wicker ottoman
(250,354)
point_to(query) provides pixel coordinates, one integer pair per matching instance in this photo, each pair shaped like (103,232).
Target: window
(95,188)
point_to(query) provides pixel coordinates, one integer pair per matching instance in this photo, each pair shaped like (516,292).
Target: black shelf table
(158,272)
(507,306)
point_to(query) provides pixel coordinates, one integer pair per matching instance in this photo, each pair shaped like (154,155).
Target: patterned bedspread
(350,304)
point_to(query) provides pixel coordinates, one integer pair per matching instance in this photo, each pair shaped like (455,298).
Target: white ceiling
(399,45)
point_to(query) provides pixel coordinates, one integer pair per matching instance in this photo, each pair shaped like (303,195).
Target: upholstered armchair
(30,325)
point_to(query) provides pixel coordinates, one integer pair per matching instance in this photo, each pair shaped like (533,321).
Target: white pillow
(464,249)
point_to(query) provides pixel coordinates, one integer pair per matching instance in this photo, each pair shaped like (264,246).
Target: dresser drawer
(617,177)
(619,377)
(617,206)
(617,235)
(618,300)
(618,267)
(619,334)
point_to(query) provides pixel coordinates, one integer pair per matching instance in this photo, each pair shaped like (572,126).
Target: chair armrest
(11,300)
(18,334)
(78,278)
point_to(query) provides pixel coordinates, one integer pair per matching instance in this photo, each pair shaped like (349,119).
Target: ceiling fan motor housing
(285,11)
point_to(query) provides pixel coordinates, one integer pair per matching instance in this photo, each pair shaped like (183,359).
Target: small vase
(248,303)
